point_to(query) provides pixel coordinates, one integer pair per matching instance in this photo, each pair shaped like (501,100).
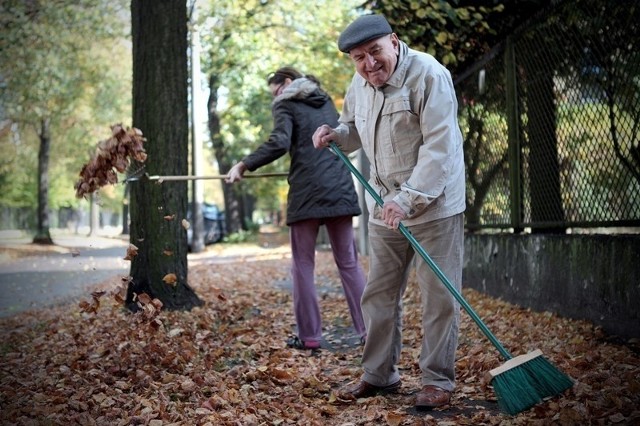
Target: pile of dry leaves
(226,363)
(112,156)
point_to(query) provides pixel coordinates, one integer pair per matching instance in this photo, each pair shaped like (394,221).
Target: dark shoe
(363,389)
(431,397)
(296,343)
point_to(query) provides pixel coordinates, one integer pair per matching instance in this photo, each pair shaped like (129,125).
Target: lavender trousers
(391,258)
(303,236)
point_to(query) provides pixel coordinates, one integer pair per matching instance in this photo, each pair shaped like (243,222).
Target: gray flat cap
(363,29)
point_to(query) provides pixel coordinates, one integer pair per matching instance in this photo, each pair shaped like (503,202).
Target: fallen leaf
(132,251)
(170,279)
(617,418)
(120,294)
(143,298)
(188,385)
(394,419)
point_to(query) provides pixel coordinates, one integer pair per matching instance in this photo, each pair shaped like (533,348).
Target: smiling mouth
(376,75)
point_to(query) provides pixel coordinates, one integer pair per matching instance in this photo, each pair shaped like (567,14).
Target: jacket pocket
(360,118)
(399,128)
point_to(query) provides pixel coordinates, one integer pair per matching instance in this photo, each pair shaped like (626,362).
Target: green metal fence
(551,120)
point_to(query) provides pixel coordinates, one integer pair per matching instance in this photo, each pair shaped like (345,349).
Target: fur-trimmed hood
(305,90)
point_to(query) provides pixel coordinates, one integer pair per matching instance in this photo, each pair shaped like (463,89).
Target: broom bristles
(524,381)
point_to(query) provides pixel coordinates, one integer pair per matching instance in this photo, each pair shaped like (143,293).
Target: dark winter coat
(320,185)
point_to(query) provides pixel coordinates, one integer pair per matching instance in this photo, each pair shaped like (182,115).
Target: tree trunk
(233,202)
(160,96)
(43,235)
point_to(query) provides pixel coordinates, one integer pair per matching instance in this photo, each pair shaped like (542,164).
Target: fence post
(513,120)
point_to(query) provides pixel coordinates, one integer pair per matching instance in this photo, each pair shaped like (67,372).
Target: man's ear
(395,42)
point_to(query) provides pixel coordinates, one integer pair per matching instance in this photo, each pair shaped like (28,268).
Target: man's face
(376,59)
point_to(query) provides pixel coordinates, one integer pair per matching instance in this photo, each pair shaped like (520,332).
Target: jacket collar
(398,76)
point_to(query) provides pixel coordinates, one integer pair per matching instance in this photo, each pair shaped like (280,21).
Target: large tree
(50,79)
(160,110)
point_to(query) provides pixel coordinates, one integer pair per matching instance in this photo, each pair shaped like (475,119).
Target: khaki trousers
(391,259)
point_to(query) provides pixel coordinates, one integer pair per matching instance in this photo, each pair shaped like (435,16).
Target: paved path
(67,271)
(77,263)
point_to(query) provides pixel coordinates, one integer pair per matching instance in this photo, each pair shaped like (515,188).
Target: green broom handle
(434,267)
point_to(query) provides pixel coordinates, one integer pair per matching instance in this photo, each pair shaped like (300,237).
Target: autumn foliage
(112,156)
(226,363)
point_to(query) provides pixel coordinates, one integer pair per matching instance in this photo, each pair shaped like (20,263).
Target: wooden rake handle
(220,177)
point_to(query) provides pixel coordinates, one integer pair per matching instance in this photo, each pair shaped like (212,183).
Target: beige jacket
(409,131)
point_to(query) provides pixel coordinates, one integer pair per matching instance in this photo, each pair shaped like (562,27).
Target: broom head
(526,380)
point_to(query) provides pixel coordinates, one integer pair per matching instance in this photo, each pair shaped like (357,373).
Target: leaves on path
(226,363)
(92,307)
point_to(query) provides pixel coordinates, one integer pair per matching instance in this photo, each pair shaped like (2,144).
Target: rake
(522,381)
(161,179)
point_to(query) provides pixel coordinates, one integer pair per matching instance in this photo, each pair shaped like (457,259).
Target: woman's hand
(236,173)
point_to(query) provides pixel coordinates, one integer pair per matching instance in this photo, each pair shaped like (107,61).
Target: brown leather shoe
(431,397)
(363,389)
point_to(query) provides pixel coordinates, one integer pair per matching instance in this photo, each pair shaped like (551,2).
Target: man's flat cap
(365,28)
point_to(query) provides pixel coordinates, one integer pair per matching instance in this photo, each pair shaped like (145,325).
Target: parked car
(213,222)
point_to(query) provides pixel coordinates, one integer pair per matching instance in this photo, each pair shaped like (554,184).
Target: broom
(519,383)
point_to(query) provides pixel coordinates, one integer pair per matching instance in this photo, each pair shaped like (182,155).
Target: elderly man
(401,108)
